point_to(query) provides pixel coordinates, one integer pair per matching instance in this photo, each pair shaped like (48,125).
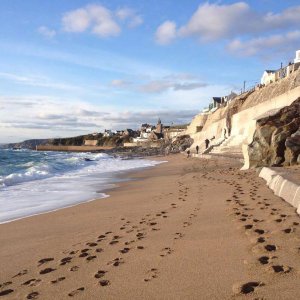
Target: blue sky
(74,67)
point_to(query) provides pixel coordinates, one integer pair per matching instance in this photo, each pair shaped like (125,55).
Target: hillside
(239,116)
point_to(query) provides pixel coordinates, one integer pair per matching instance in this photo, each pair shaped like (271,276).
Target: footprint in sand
(92,244)
(259,231)
(91,257)
(279,269)
(248,226)
(186,224)
(58,280)
(45,260)
(74,268)
(32,282)
(76,292)
(113,242)
(116,262)
(46,271)
(124,250)
(129,242)
(65,260)
(288,230)
(83,254)
(6,292)
(5,284)
(261,239)
(166,251)
(33,295)
(140,235)
(178,235)
(104,282)
(264,260)
(271,248)
(21,273)
(153,273)
(100,274)
(246,288)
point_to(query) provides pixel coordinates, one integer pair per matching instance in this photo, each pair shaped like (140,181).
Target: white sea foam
(60,181)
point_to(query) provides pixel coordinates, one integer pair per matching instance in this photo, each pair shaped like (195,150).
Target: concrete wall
(243,123)
(90,143)
(71,148)
(282,187)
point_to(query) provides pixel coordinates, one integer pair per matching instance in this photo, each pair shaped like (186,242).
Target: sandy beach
(186,229)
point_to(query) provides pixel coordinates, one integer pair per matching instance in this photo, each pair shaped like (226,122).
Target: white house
(108,133)
(297,58)
(268,77)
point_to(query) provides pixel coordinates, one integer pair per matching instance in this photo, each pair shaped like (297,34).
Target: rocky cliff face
(276,139)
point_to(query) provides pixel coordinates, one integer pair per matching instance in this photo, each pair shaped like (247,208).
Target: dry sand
(186,229)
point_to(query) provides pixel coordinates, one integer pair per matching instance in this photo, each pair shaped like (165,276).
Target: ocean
(34,182)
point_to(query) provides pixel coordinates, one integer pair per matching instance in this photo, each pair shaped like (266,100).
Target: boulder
(276,140)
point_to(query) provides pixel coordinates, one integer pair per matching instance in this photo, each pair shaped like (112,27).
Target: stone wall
(276,138)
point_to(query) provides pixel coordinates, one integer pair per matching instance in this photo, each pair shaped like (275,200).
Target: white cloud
(76,20)
(124,13)
(135,22)
(212,22)
(263,45)
(166,33)
(120,83)
(46,32)
(129,15)
(158,86)
(100,20)
(37,81)
(97,18)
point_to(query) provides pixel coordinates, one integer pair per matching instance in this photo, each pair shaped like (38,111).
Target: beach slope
(186,229)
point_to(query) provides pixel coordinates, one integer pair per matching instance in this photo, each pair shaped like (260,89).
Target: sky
(76,67)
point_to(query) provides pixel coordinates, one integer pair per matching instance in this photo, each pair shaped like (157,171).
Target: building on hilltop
(157,134)
(108,133)
(159,127)
(297,58)
(268,77)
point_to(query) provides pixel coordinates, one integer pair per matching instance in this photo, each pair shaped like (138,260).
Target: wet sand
(186,229)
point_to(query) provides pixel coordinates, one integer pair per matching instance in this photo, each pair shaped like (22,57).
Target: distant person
(225,133)
(197,149)
(188,153)
(206,143)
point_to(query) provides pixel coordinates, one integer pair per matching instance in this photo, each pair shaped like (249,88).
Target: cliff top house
(270,76)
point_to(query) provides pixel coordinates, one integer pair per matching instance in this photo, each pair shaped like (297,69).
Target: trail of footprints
(256,213)
(92,251)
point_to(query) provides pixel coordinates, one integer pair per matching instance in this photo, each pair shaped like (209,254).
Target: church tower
(159,127)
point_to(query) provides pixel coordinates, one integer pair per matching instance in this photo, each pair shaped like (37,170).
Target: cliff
(239,116)
(276,140)
(27,144)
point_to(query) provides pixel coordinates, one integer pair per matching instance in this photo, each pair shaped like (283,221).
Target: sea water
(33,182)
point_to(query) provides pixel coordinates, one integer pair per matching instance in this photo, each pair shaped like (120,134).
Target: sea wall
(282,186)
(72,148)
(240,115)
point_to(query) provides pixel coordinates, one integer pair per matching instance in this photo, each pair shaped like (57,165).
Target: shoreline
(170,232)
(112,179)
